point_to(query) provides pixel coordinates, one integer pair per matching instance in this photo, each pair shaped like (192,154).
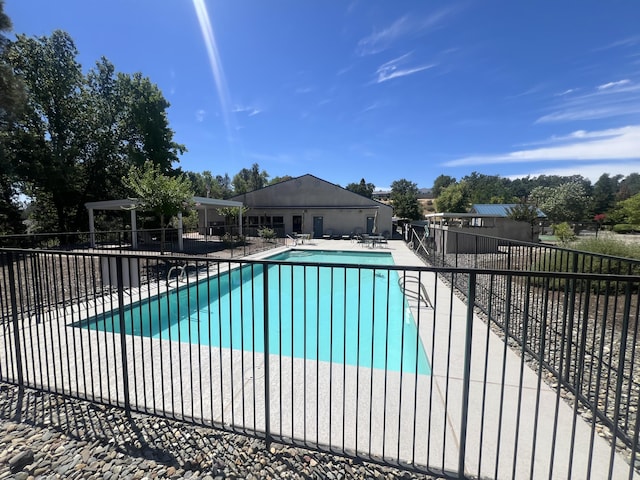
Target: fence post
(14,315)
(267,380)
(123,336)
(471,300)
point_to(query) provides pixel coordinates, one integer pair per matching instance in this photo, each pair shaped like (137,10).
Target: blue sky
(377,89)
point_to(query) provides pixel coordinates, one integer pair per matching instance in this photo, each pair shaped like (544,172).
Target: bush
(626,228)
(564,233)
(610,246)
(605,256)
(230,239)
(267,233)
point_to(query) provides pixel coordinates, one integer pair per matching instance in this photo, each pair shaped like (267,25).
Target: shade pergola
(131,204)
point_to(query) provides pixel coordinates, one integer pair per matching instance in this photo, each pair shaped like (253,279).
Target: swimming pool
(354,314)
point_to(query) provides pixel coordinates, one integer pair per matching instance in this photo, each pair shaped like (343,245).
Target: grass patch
(594,255)
(610,246)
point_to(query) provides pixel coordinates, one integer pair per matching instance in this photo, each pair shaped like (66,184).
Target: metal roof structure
(199,203)
(498,209)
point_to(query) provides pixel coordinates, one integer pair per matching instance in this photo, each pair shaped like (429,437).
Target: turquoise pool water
(336,314)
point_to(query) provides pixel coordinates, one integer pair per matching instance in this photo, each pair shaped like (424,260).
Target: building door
(370,223)
(317,227)
(297,223)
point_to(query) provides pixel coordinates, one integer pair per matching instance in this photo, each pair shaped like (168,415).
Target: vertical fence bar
(620,374)
(14,317)
(267,381)
(471,300)
(123,337)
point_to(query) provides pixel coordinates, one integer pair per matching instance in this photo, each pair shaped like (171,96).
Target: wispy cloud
(248,110)
(614,84)
(612,144)
(200,115)
(381,39)
(608,100)
(392,69)
(566,92)
(591,171)
(624,43)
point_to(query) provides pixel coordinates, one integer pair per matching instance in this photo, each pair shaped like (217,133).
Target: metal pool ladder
(418,293)
(182,269)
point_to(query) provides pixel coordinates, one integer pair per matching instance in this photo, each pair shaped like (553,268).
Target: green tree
(567,202)
(284,178)
(487,188)
(146,127)
(159,193)
(522,212)
(404,198)
(249,180)
(78,135)
(454,199)
(440,183)
(12,103)
(629,186)
(630,210)
(48,140)
(363,188)
(605,189)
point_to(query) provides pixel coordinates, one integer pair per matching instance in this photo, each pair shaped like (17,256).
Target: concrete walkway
(517,427)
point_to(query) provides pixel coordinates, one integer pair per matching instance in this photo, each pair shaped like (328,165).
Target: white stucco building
(310,205)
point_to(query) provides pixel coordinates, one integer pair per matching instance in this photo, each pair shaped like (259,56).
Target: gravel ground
(48,436)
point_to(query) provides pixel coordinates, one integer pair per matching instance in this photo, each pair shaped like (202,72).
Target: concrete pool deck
(406,418)
(507,427)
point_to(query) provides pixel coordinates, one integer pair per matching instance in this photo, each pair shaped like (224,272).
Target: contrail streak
(216,65)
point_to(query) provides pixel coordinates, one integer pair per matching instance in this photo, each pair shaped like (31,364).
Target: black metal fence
(383,363)
(226,242)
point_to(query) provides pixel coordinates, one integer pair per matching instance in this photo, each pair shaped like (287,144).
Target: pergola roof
(199,203)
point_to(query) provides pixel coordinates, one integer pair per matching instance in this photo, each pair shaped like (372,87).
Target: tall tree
(630,210)
(249,180)
(49,138)
(283,178)
(440,183)
(487,188)
(454,199)
(147,133)
(80,134)
(629,186)
(363,188)
(567,202)
(605,189)
(404,198)
(12,102)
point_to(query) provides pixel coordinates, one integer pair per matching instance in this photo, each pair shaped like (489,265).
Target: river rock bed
(48,436)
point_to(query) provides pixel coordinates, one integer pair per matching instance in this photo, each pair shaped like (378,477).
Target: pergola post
(240,222)
(206,224)
(134,230)
(180,239)
(92,229)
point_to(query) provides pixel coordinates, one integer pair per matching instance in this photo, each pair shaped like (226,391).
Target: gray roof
(497,209)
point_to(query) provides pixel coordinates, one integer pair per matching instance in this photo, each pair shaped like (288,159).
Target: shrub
(626,228)
(230,239)
(267,233)
(564,233)
(595,255)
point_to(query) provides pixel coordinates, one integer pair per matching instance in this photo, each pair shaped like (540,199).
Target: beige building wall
(308,204)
